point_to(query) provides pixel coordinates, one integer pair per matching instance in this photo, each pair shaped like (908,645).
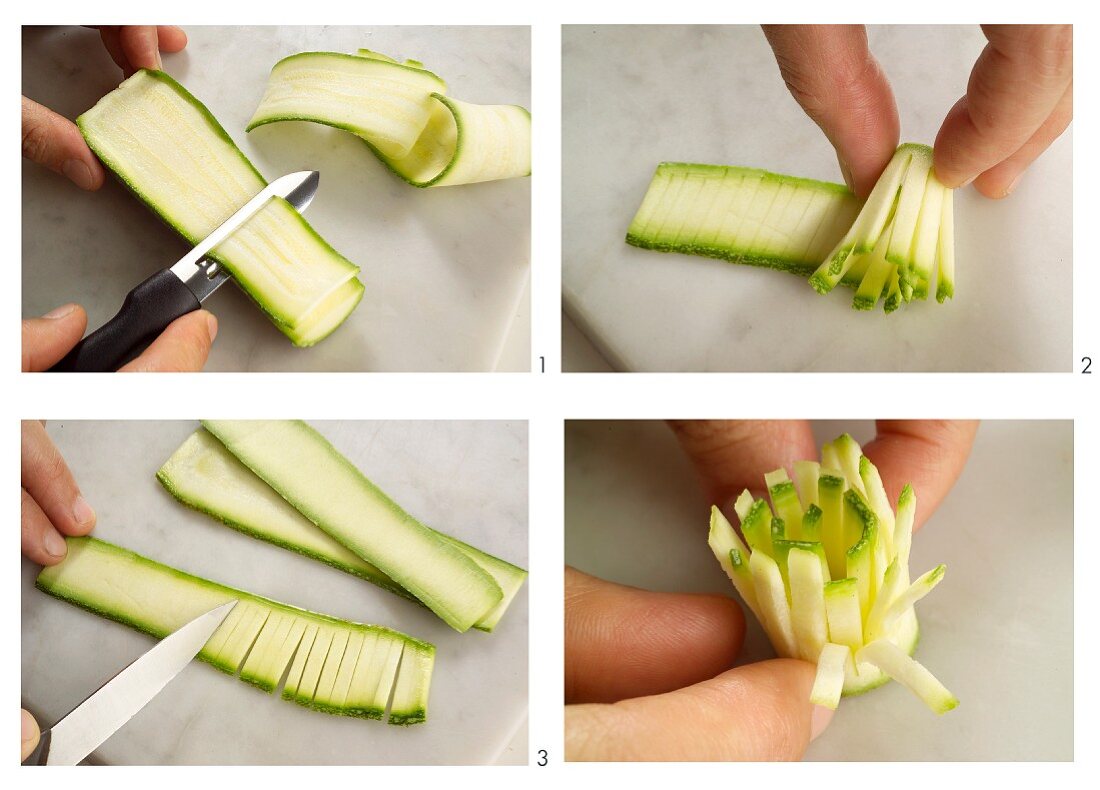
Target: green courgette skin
(798,266)
(218,130)
(44,583)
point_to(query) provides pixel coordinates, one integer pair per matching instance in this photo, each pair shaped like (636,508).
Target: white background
(547,399)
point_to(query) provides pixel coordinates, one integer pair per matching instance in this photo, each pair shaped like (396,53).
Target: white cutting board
(714,95)
(444,268)
(997,631)
(466,478)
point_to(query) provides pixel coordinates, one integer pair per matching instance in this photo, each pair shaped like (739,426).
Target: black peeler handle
(146,312)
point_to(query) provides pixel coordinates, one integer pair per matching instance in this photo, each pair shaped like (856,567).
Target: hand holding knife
(170,293)
(97,718)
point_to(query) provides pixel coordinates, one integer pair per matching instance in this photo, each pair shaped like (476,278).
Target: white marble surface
(998,631)
(469,479)
(714,95)
(444,268)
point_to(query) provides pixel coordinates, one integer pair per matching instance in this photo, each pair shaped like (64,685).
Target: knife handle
(146,312)
(41,752)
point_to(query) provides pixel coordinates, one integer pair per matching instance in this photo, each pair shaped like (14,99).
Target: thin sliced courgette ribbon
(400,111)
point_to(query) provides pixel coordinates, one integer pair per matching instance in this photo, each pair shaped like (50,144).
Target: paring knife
(170,293)
(95,719)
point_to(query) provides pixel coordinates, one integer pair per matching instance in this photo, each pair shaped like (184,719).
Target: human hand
(183,346)
(52,505)
(661,660)
(647,677)
(1019,100)
(54,141)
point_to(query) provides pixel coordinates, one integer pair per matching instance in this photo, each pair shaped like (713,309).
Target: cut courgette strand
(203,475)
(168,148)
(899,237)
(310,474)
(259,638)
(743,215)
(400,111)
(887,248)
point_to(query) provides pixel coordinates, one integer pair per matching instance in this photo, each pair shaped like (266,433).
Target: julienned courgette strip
(335,666)
(310,474)
(203,475)
(401,112)
(172,153)
(889,247)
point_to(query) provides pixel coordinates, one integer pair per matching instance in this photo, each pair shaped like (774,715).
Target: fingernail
(967,182)
(819,720)
(79,173)
(211,326)
(83,512)
(29,727)
(55,544)
(60,312)
(156,59)
(1012,186)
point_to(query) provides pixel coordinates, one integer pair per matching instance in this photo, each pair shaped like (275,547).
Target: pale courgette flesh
(172,153)
(259,639)
(203,475)
(325,487)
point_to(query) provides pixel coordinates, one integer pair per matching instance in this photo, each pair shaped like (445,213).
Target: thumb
(54,141)
(47,339)
(756,712)
(830,72)
(183,346)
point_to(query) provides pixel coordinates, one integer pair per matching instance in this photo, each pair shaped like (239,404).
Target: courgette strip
(205,476)
(174,155)
(400,111)
(887,247)
(325,487)
(259,638)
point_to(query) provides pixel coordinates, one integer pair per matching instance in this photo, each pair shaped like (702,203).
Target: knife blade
(170,293)
(97,718)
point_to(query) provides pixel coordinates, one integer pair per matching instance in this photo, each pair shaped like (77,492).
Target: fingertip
(83,516)
(171,38)
(86,173)
(29,734)
(47,339)
(183,346)
(211,325)
(819,720)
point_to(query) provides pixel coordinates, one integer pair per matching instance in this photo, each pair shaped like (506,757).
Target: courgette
(172,153)
(888,248)
(259,639)
(203,475)
(400,111)
(326,488)
(840,597)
